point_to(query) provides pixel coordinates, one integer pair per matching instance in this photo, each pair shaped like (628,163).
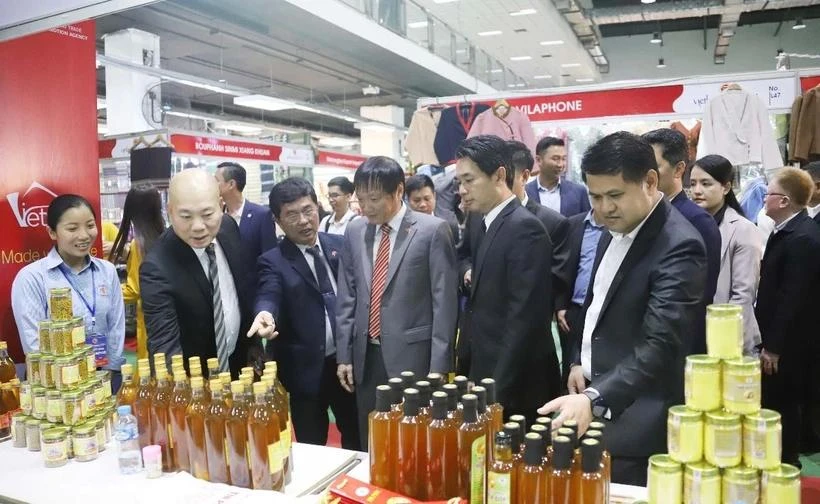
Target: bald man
(193,297)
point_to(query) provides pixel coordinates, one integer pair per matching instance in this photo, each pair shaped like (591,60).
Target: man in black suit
(672,156)
(510,256)
(813,169)
(296,311)
(192,283)
(787,305)
(647,287)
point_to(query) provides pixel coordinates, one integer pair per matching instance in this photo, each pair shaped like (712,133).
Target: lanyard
(92,308)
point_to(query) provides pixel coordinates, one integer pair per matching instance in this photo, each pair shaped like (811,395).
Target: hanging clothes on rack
(804,131)
(506,122)
(736,126)
(453,127)
(421,135)
(692,136)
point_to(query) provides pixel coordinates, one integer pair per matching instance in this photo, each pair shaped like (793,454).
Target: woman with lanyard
(95,288)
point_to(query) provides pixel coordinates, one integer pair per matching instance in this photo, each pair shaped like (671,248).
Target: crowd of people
(624,264)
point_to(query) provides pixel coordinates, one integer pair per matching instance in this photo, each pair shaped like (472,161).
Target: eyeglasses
(766,195)
(293,217)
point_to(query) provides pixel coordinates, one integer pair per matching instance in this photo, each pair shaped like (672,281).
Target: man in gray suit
(397,303)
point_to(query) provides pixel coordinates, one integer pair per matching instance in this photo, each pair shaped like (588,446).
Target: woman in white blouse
(741,241)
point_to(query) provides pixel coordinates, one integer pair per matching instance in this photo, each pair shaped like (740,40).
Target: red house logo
(31,209)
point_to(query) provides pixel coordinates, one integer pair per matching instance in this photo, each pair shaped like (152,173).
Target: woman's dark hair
(143,210)
(63,203)
(721,169)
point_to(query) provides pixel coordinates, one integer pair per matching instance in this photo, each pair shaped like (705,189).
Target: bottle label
(84,446)
(499,488)
(286,439)
(70,374)
(54,408)
(78,335)
(477,470)
(55,451)
(275,457)
(39,406)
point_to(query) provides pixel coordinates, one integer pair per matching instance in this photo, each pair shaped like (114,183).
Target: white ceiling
(471,17)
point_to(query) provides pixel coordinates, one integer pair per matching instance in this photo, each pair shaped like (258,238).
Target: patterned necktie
(219,315)
(378,284)
(325,286)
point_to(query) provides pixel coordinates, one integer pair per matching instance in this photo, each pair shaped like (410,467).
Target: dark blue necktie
(325,287)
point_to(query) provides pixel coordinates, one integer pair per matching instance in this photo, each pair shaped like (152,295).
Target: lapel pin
(332,253)
(249,215)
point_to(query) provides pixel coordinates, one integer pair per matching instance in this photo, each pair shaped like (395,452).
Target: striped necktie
(219,314)
(378,284)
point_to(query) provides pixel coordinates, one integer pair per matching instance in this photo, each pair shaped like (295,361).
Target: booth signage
(341,160)
(220,147)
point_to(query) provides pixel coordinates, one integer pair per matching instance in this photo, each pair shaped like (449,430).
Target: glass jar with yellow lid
(77,332)
(54,406)
(60,304)
(762,434)
(741,485)
(38,402)
(723,439)
(25,397)
(99,429)
(701,483)
(85,442)
(47,371)
(90,359)
(33,368)
(741,385)
(684,435)
(780,486)
(99,392)
(104,376)
(43,329)
(60,336)
(55,447)
(702,383)
(665,482)
(724,331)
(33,434)
(44,426)
(66,372)
(89,399)
(72,412)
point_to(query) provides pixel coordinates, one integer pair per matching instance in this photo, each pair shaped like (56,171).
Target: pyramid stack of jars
(67,410)
(722,447)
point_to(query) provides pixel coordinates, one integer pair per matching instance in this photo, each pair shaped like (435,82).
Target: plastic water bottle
(128,445)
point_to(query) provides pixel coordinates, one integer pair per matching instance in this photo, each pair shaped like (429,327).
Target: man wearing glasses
(339,193)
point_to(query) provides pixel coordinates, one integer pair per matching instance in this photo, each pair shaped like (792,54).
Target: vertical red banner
(48,145)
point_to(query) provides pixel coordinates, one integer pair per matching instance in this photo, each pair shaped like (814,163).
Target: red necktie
(378,284)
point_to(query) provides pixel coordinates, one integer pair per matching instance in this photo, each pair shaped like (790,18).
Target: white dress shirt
(227,290)
(610,264)
(813,211)
(330,345)
(550,198)
(394,224)
(237,216)
(492,214)
(330,226)
(525,200)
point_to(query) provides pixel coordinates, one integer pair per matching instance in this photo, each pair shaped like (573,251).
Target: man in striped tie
(397,303)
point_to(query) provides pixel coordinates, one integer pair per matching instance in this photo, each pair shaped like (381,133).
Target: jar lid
(702,361)
(54,435)
(33,422)
(83,347)
(19,416)
(664,463)
(38,389)
(47,358)
(75,320)
(783,474)
(766,417)
(684,414)
(59,290)
(33,355)
(72,394)
(53,393)
(741,473)
(44,425)
(63,361)
(724,310)
(743,364)
(703,469)
(85,428)
(722,418)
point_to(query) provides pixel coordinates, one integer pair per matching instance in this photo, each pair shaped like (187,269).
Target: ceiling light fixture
(551,42)
(497,70)
(661,63)
(444,1)
(570,65)
(417,24)
(265,102)
(647,1)
(520,58)
(542,77)
(237,127)
(489,33)
(657,38)
(799,24)
(585,79)
(523,12)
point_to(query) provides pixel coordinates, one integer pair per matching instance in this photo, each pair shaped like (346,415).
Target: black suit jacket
(287,289)
(817,218)
(557,228)
(786,308)
(640,342)
(569,273)
(178,304)
(508,324)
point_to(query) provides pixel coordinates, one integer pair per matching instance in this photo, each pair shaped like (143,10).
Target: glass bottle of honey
(215,435)
(425,395)
(236,431)
(276,403)
(454,412)
(522,424)
(178,408)
(144,362)
(513,429)
(160,367)
(225,379)
(7,369)
(128,390)
(546,422)
(264,447)
(494,408)
(442,452)
(195,366)
(436,381)
(396,394)
(472,456)
(142,407)
(213,369)
(160,420)
(532,477)
(382,441)
(606,458)
(408,378)
(501,480)
(592,489)
(461,383)
(412,440)
(560,479)
(195,421)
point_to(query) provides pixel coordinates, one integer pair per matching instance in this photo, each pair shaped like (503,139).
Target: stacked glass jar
(65,401)
(722,447)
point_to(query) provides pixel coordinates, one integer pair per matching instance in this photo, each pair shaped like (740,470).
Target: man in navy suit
(671,153)
(256,225)
(564,196)
(296,307)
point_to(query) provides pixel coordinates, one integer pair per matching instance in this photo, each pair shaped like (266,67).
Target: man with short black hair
(646,291)
(551,189)
(671,154)
(421,195)
(339,193)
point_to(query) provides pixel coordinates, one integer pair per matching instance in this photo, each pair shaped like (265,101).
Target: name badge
(99,343)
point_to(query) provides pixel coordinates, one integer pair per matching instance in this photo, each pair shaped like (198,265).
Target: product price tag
(98,343)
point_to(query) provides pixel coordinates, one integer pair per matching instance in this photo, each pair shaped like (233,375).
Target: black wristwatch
(599,409)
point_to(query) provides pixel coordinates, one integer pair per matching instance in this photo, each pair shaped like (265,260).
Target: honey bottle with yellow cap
(264,447)
(237,437)
(215,435)
(195,421)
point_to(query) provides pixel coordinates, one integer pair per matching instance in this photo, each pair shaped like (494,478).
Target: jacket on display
(736,126)
(421,135)
(692,137)
(804,131)
(453,127)
(512,125)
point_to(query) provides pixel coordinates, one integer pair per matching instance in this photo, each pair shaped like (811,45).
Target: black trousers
(780,394)
(375,374)
(630,470)
(310,419)
(569,341)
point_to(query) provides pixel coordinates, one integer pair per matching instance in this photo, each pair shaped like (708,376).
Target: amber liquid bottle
(142,408)
(275,401)
(7,369)
(461,383)
(592,487)
(213,369)
(513,431)
(501,481)
(396,394)
(544,437)
(442,452)
(454,412)
(606,458)
(436,380)
(161,421)
(142,363)
(225,379)
(408,378)
(381,442)
(178,408)
(546,423)
(283,411)
(236,431)
(215,435)
(160,367)
(472,456)
(195,421)
(412,439)
(425,396)
(128,390)
(532,477)
(560,478)
(264,445)
(195,367)
(494,408)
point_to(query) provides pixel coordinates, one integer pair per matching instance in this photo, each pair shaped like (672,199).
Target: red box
(347,490)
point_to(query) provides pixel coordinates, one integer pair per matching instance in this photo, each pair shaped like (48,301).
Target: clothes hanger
(138,142)
(160,139)
(731,86)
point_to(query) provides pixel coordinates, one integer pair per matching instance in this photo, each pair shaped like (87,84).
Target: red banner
(47,91)
(220,147)
(807,83)
(340,159)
